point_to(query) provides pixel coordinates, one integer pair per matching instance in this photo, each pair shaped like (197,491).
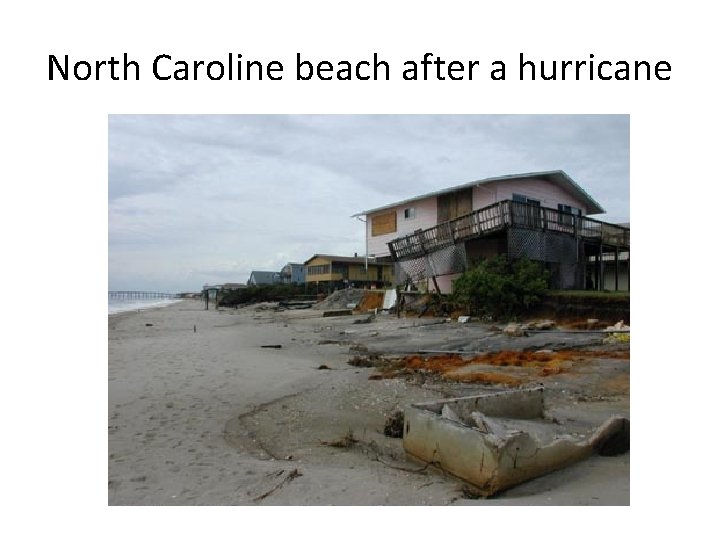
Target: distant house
(233,286)
(293,273)
(348,271)
(262,277)
(543,216)
(211,291)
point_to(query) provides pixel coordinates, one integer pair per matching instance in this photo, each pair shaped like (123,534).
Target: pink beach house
(433,238)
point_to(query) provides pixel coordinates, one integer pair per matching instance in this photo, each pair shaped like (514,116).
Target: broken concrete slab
(619,326)
(620,333)
(498,440)
(545,324)
(449,413)
(514,330)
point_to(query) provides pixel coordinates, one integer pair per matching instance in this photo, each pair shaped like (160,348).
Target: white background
(54,230)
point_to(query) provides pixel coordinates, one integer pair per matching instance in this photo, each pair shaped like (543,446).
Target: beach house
(263,277)
(338,272)
(293,273)
(433,238)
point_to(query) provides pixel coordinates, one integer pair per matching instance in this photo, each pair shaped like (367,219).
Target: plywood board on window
(384,224)
(453,205)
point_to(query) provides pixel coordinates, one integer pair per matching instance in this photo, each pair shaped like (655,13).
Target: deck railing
(501,215)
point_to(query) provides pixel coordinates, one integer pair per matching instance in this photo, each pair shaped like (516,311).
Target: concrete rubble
(521,330)
(514,330)
(618,327)
(501,439)
(619,333)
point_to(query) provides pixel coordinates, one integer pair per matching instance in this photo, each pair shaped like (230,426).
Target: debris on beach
(619,326)
(514,330)
(344,442)
(545,324)
(371,360)
(292,475)
(521,330)
(394,425)
(408,360)
(620,333)
(495,441)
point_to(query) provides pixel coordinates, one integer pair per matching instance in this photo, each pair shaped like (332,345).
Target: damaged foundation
(498,440)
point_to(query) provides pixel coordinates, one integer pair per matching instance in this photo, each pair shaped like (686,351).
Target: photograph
(368,309)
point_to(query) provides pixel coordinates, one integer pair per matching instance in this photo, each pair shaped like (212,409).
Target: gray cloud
(196,199)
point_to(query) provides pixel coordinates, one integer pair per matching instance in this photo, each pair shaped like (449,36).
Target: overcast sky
(207,199)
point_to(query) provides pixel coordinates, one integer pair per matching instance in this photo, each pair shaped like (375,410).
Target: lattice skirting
(563,254)
(448,260)
(542,246)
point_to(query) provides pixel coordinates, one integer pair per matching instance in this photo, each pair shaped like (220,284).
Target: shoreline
(145,307)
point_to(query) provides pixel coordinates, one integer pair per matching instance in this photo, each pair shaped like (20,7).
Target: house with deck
(340,272)
(293,273)
(544,216)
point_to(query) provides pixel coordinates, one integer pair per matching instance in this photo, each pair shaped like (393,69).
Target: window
(566,212)
(525,199)
(453,205)
(567,209)
(528,214)
(318,269)
(409,213)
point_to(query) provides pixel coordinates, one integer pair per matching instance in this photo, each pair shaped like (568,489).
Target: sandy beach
(201,413)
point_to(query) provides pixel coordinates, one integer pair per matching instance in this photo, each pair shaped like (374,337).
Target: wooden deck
(501,216)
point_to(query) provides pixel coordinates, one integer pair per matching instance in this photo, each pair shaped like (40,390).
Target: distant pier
(140,295)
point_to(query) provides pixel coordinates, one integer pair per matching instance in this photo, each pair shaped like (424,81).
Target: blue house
(293,273)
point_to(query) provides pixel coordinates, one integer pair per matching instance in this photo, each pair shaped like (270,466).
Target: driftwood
(292,475)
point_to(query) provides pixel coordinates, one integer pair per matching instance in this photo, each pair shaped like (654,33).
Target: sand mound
(340,299)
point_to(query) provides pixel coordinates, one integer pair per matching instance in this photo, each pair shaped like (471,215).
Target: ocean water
(135,304)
